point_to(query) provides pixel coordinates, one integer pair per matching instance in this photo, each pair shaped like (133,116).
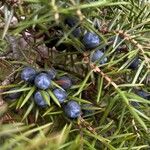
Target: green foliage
(115,123)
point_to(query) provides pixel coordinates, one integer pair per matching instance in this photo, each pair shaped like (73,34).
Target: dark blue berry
(77,32)
(91,40)
(135,63)
(65,82)
(71,21)
(72,109)
(52,73)
(143,94)
(97,56)
(42,81)
(60,94)
(28,74)
(39,99)
(14,95)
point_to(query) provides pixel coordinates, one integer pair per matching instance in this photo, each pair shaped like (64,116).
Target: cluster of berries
(90,40)
(43,81)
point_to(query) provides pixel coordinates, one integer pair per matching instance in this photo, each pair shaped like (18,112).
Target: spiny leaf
(30,93)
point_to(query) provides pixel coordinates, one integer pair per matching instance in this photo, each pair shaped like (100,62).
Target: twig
(128,37)
(97,69)
(134,42)
(87,125)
